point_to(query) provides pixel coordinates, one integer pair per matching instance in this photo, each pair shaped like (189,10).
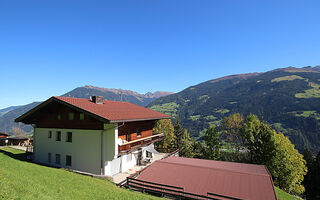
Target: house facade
(92,135)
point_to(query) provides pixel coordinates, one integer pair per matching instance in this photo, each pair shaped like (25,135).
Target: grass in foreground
(24,180)
(282,195)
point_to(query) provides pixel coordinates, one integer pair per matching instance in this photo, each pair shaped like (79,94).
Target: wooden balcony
(135,144)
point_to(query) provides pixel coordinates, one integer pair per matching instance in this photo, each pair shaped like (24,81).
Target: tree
(199,149)
(169,141)
(316,178)
(178,132)
(288,166)
(17,131)
(258,139)
(308,178)
(232,126)
(186,145)
(212,144)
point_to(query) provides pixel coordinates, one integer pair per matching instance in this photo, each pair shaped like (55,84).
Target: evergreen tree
(212,144)
(308,178)
(169,141)
(316,178)
(199,149)
(186,145)
(178,132)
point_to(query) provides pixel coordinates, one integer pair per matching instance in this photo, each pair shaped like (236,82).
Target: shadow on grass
(19,156)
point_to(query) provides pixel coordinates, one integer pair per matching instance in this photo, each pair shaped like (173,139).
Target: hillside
(6,110)
(287,98)
(24,180)
(9,114)
(7,120)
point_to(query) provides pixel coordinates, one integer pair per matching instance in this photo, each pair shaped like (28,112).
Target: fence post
(127,183)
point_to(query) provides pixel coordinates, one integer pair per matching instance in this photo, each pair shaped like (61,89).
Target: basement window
(71,116)
(81,116)
(69,137)
(58,159)
(50,134)
(58,136)
(68,160)
(49,157)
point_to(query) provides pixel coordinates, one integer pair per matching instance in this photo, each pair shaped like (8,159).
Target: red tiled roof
(114,111)
(3,134)
(197,176)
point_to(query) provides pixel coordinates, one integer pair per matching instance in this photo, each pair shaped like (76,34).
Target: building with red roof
(192,178)
(91,135)
(3,137)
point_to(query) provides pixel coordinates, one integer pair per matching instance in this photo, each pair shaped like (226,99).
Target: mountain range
(8,115)
(286,98)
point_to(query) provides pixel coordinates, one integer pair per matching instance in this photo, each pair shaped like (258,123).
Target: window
(81,117)
(49,157)
(69,137)
(68,161)
(71,116)
(58,159)
(58,136)
(58,117)
(50,134)
(138,132)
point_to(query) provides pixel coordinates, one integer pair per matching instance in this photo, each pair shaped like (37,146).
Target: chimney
(97,99)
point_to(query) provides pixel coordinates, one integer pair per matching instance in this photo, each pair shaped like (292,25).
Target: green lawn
(24,180)
(282,195)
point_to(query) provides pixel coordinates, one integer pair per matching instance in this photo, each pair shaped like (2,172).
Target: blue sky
(48,48)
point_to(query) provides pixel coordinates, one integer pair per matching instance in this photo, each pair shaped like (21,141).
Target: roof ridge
(214,168)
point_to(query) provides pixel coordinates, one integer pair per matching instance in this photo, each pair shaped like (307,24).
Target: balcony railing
(135,144)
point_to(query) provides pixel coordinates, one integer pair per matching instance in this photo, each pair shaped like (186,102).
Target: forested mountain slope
(287,98)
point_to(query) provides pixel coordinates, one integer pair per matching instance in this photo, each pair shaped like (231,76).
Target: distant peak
(156,94)
(315,69)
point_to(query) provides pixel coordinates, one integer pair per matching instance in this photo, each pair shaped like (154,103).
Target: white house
(92,135)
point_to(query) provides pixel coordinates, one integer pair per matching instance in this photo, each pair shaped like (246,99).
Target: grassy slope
(23,180)
(282,195)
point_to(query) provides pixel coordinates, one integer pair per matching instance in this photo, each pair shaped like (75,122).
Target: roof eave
(21,117)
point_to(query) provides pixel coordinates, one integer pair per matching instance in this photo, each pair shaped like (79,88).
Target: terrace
(135,144)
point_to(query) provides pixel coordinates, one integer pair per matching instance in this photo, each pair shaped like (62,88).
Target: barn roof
(198,176)
(108,111)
